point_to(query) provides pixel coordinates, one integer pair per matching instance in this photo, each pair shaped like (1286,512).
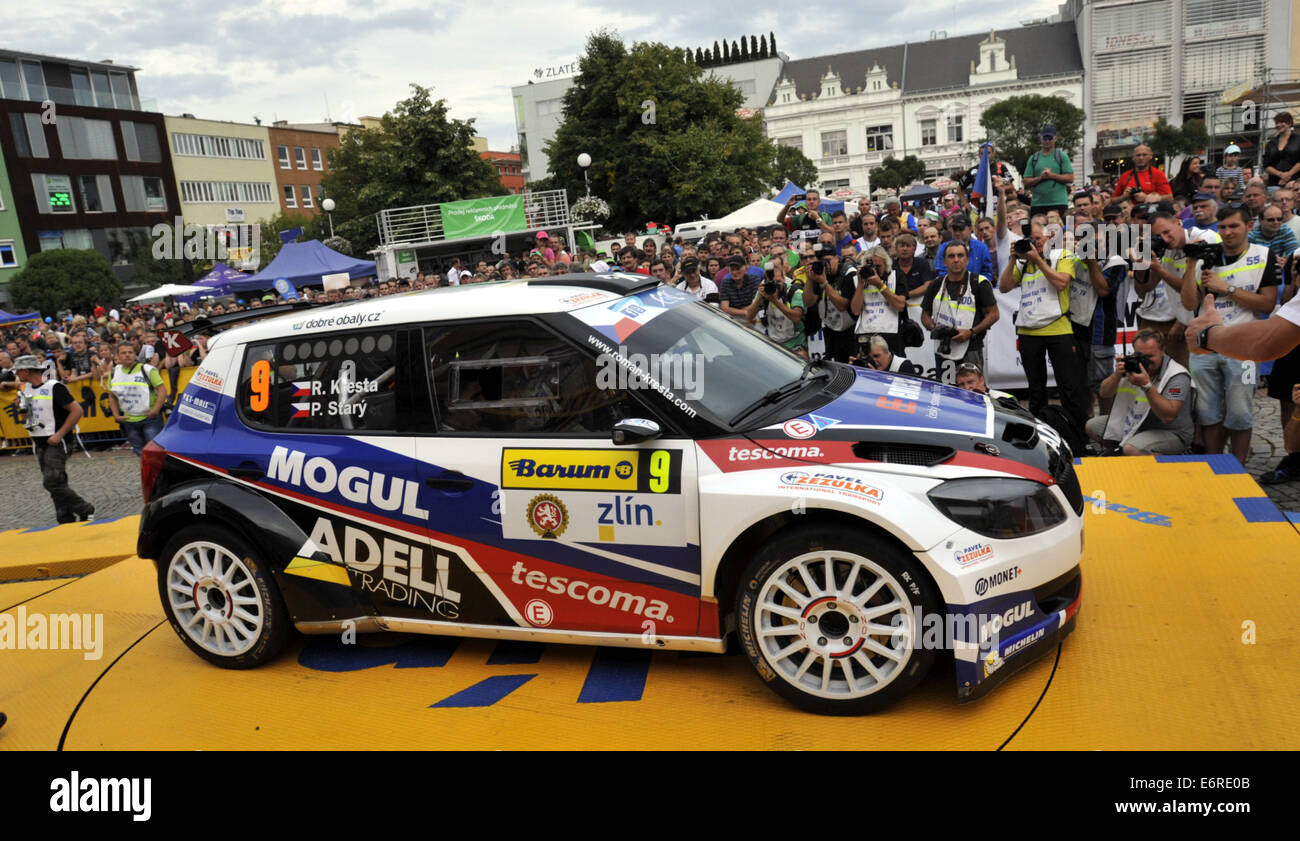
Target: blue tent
(7,319)
(791,189)
(219,280)
(303,263)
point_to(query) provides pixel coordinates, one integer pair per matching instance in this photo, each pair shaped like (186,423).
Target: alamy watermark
(178,240)
(82,632)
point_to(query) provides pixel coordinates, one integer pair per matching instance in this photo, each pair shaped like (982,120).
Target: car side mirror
(634,431)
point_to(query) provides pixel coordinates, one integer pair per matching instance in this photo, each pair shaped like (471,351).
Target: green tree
(793,165)
(894,173)
(418,155)
(152,272)
(664,139)
(1168,140)
(65,279)
(1015,126)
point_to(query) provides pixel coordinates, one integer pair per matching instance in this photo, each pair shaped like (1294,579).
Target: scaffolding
(1245,113)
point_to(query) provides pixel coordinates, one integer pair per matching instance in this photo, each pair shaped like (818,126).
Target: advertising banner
(482,217)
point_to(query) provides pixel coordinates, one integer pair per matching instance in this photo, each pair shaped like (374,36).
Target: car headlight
(999,508)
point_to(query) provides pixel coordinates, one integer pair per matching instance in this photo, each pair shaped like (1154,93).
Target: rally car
(600,459)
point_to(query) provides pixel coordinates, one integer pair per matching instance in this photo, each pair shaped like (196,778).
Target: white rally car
(599,459)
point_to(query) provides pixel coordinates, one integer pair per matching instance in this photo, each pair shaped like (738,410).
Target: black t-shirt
(1281,159)
(845,283)
(915,278)
(984,302)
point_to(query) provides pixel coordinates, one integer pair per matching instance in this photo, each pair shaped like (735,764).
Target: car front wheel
(220,598)
(831,618)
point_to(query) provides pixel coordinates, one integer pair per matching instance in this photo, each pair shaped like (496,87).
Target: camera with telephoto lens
(770,285)
(1135,362)
(1210,252)
(1158,246)
(944,335)
(1023,246)
(868,268)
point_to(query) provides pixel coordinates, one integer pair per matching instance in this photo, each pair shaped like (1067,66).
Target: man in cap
(51,413)
(1204,205)
(1049,174)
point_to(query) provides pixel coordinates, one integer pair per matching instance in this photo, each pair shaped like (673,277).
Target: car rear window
(341,382)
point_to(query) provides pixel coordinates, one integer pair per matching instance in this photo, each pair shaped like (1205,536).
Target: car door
(566,530)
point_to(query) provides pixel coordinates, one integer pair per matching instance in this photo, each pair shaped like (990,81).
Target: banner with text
(482,217)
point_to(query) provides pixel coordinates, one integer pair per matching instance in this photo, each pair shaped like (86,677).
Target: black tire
(217,549)
(823,687)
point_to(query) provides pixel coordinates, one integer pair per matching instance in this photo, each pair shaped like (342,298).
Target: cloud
(283,59)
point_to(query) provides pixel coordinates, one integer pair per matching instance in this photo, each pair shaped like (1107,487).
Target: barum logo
(240,244)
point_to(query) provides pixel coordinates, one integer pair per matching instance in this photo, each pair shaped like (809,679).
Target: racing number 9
(259,395)
(660,471)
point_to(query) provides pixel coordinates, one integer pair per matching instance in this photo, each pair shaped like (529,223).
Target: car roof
(525,296)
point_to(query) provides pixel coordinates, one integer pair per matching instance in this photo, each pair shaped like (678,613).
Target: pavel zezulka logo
(547,516)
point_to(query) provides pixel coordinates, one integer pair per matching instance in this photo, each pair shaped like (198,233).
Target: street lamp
(328,207)
(584,161)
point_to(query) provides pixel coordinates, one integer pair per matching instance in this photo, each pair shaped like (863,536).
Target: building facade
(539,106)
(224,171)
(301,159)
(86,168)
(848,112)
(13,253)
(1174,59)
(509,169)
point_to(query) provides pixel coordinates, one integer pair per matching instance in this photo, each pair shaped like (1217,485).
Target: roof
(477,300)
(104,65)
(1050,49)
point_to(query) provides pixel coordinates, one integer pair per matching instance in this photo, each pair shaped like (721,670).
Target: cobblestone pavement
(111,479)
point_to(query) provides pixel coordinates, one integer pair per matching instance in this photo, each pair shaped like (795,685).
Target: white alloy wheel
(215,599)
(835,625)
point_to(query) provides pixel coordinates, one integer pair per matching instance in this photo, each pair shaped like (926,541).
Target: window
(517,378)
(954,128)
(29,135)
(316,162)
(141,142)
(217,146)
(11,84)
(143,193)
(795,142)
(929,133)
(96,193)
(550,106)
(226,192)
(35,80)
(53,193)
(831,186)
(103,95)
(306,195)
(745,86)
(290,197)
(300,156)
(8,255)
(835,143)
(74,239)
(81,92)
(350,378)
(880,138)
(122,97)
(282,152)
(85,139)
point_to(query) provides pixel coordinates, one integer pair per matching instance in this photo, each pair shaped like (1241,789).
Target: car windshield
(699,358)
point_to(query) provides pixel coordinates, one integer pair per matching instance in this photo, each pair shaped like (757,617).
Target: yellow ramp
(69,549)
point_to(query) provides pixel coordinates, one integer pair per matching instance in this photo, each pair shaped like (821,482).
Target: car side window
(518,378)
(342,382)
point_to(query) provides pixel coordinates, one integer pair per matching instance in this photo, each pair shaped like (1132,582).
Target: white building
(850,111)
(1147,59)
(539,106)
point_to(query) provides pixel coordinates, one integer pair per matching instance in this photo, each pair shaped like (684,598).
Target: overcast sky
(283,59)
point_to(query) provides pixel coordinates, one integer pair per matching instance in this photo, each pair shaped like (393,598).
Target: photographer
(958,309)
(51,416)
(876,354)
(1085,292)
(1170,245)
(780,302)
(808,222)
(1151,412)
(1144,182)
(829,287)
(1241,279)
(877,302)
(1043,321)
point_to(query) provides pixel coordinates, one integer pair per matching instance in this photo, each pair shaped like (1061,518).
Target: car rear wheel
(831,618)
(220,598)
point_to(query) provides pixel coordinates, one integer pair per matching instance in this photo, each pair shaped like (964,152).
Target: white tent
(168,290)
(759,212)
